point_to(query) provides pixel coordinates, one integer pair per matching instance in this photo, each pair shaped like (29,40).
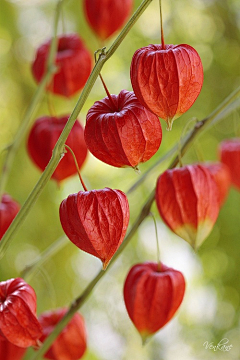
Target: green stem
(77,167)
(31,269)
(157,240)
(58,150)
(161,24)
(51,69)
(188,140)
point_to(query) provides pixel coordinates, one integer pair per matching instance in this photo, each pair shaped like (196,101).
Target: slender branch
(51,69)
(77,167)
(188,140)
(31,268)
(58,150)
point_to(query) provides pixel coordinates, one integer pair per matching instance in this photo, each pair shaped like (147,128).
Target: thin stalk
(102,51)
(107,92)
(51,69)
(157,241)
(79,301)
(77,167)
(31,269)
(161,24)
(58,151)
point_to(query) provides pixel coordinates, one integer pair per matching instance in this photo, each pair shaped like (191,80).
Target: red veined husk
(96,221)
(105,17)
(167,80)
(152,294)
(8,210)
(188,201)
(71,343)
(18,321)
(122,132)
(73,61)
(42,139)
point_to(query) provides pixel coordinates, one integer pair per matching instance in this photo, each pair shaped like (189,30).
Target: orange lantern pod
(96,221)
(222,177)
(42,139)
(167,79)
(18,321)
(188,202)
(71,343)
(152,294)
(230,155)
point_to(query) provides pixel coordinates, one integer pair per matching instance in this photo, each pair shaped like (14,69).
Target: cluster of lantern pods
(121,130)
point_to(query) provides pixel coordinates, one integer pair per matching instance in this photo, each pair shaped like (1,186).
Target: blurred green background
(210,310)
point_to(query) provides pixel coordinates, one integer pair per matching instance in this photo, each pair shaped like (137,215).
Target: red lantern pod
(167,79)
(188,202)
(74,63)
(96,221)
(122,132)
(152,296)
(105,17)
(8,210)
(222,177)
(71,343)
(230,155)
(18,321)
(42,139)
(8,351)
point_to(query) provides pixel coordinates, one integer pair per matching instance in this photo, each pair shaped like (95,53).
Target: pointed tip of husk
(169,124)
(136,169)
(145,338)
(105,264)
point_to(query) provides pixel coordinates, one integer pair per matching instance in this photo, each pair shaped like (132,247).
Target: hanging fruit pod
(8,351)
(18,321)
(42,139)
(152,294)
(188,202)
(167,79)
(121,132)
(96,221)
(73,61)
(230,155)
(105,17)
(222,177)
(8,210)
(71,343)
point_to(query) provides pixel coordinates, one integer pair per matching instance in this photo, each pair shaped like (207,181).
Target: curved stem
(157,240)
(29,271)
(78,170)
(58,150)
(79,301)
(51,69)
(107,92)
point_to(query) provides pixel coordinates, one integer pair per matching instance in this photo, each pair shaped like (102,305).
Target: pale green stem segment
(30,270)
(51,69)
(216,115)
(161,24)
(77,167)
(58,151)
(157,240)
